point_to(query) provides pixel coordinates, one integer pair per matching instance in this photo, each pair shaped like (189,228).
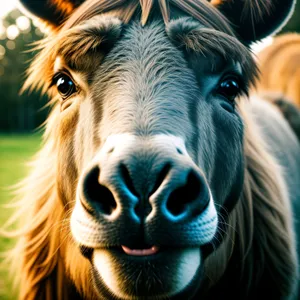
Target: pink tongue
(140,252)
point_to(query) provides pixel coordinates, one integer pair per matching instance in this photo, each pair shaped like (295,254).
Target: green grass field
(15,152)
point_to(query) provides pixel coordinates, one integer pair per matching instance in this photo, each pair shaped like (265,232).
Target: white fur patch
(186,267)
(103,264)
(84,227)
(125,139)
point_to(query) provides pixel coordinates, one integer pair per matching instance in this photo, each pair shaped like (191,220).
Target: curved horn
(256,19)
(53,12)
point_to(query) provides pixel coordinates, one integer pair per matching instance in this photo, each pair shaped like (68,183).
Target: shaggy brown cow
(158,178)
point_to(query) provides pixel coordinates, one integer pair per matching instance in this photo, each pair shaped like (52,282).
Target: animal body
(158,178)
(279,82)
(279,64)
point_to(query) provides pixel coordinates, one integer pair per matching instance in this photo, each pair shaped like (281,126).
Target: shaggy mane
(258,225)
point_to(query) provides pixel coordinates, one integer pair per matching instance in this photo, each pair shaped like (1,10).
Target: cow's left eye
(65,85)
(229,88)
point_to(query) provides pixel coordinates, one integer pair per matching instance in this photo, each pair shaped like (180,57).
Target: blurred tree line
(23,113)
(18,113)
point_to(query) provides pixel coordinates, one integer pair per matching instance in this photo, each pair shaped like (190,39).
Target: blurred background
(21,115)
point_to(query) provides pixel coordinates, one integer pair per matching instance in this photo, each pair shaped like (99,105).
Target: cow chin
(169,274)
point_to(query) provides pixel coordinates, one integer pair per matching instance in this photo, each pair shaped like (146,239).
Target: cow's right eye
(64,84)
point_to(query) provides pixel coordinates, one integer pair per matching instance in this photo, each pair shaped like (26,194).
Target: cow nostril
(96,195)
(192,194)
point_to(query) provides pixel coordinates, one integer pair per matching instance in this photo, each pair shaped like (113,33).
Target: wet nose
(132,181)
(176,191)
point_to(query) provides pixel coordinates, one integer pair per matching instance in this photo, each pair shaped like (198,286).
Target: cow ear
(51,12)
(254,20)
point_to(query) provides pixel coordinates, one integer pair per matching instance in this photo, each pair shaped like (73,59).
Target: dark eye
(65,85)
(229,88)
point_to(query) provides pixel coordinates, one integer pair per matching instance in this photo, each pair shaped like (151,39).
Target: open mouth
(141,252)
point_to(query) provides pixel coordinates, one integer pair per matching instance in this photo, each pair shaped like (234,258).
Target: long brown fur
(46,259)
(280,67)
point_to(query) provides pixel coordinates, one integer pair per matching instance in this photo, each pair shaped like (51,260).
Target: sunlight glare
(6,7)
(23,23)
(259,46)
(12,32)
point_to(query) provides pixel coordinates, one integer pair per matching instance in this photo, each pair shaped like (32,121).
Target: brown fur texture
(46,258)
(279,82)
(280,67)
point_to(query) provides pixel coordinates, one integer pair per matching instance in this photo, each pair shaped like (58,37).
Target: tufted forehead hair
(85,31)
(203,11)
